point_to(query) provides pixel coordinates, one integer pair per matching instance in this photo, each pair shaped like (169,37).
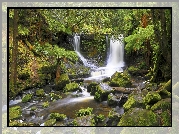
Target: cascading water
(77,50)
(115,60)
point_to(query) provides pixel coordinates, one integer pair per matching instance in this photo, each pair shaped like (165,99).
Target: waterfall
(115,60)
(116,55)
(76,45)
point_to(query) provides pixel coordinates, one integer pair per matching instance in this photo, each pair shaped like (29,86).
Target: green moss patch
(84,112)
(120,80)
(163,105)
(138,117)
(71,87)
(50,122)
(40,92)
(62,81)
(57,116)
(15,112)
(151,98)
(27,98)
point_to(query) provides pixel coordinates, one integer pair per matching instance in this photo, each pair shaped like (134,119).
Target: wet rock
(117,99)
(123,90)
(71,87)
(62,81)
(138,117)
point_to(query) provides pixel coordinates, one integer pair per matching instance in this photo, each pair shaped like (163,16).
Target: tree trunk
(14,50)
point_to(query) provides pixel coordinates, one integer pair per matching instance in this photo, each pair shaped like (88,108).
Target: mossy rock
(163,105)
(166,118)
(62,81)
(113,118)
(45,104)
(87,120)
(84,112)
(135,99)
(139,117)
(50,122)
(92,88)
(151,98)
(120,80)
(55,96)
(71,87)
(58,116)
(101,95)
(133,70)
(16,123)
(27,98)
(15,112)
(164,93)
(40,93)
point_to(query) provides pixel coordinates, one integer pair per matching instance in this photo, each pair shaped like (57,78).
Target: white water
(115,60)
(77,50)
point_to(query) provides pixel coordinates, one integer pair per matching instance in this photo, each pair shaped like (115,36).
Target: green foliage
(45,104)
(92,88)
(55,96)
(72,87)
(133,70)
(100,94)
(27,98)
(152,97)
(50,122)
(57,116)
(166,118)
(99,118)
(40,92)
(15,112)
(84,112)
(62,81)
(163,105)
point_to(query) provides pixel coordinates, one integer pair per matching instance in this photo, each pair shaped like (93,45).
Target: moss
(133,70)
(138,117)
(166,118)
(45,104)
(99,118)
(163,105)
(101,95)
(55,96)
(40,92)
(27,98)
(87,120)
(72,87)
(18,123)
(151,98)
(113,118)
(92,88)
(168,86)
(164,93)
(50,122)
(84,112)
(120,80)
(134,101)
(33,108)
(62,81)
(15,112)
(57,116)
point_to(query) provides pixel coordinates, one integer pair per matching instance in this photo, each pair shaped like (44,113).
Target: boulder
(62,81)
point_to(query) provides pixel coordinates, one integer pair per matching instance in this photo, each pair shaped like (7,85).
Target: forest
(89,66)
